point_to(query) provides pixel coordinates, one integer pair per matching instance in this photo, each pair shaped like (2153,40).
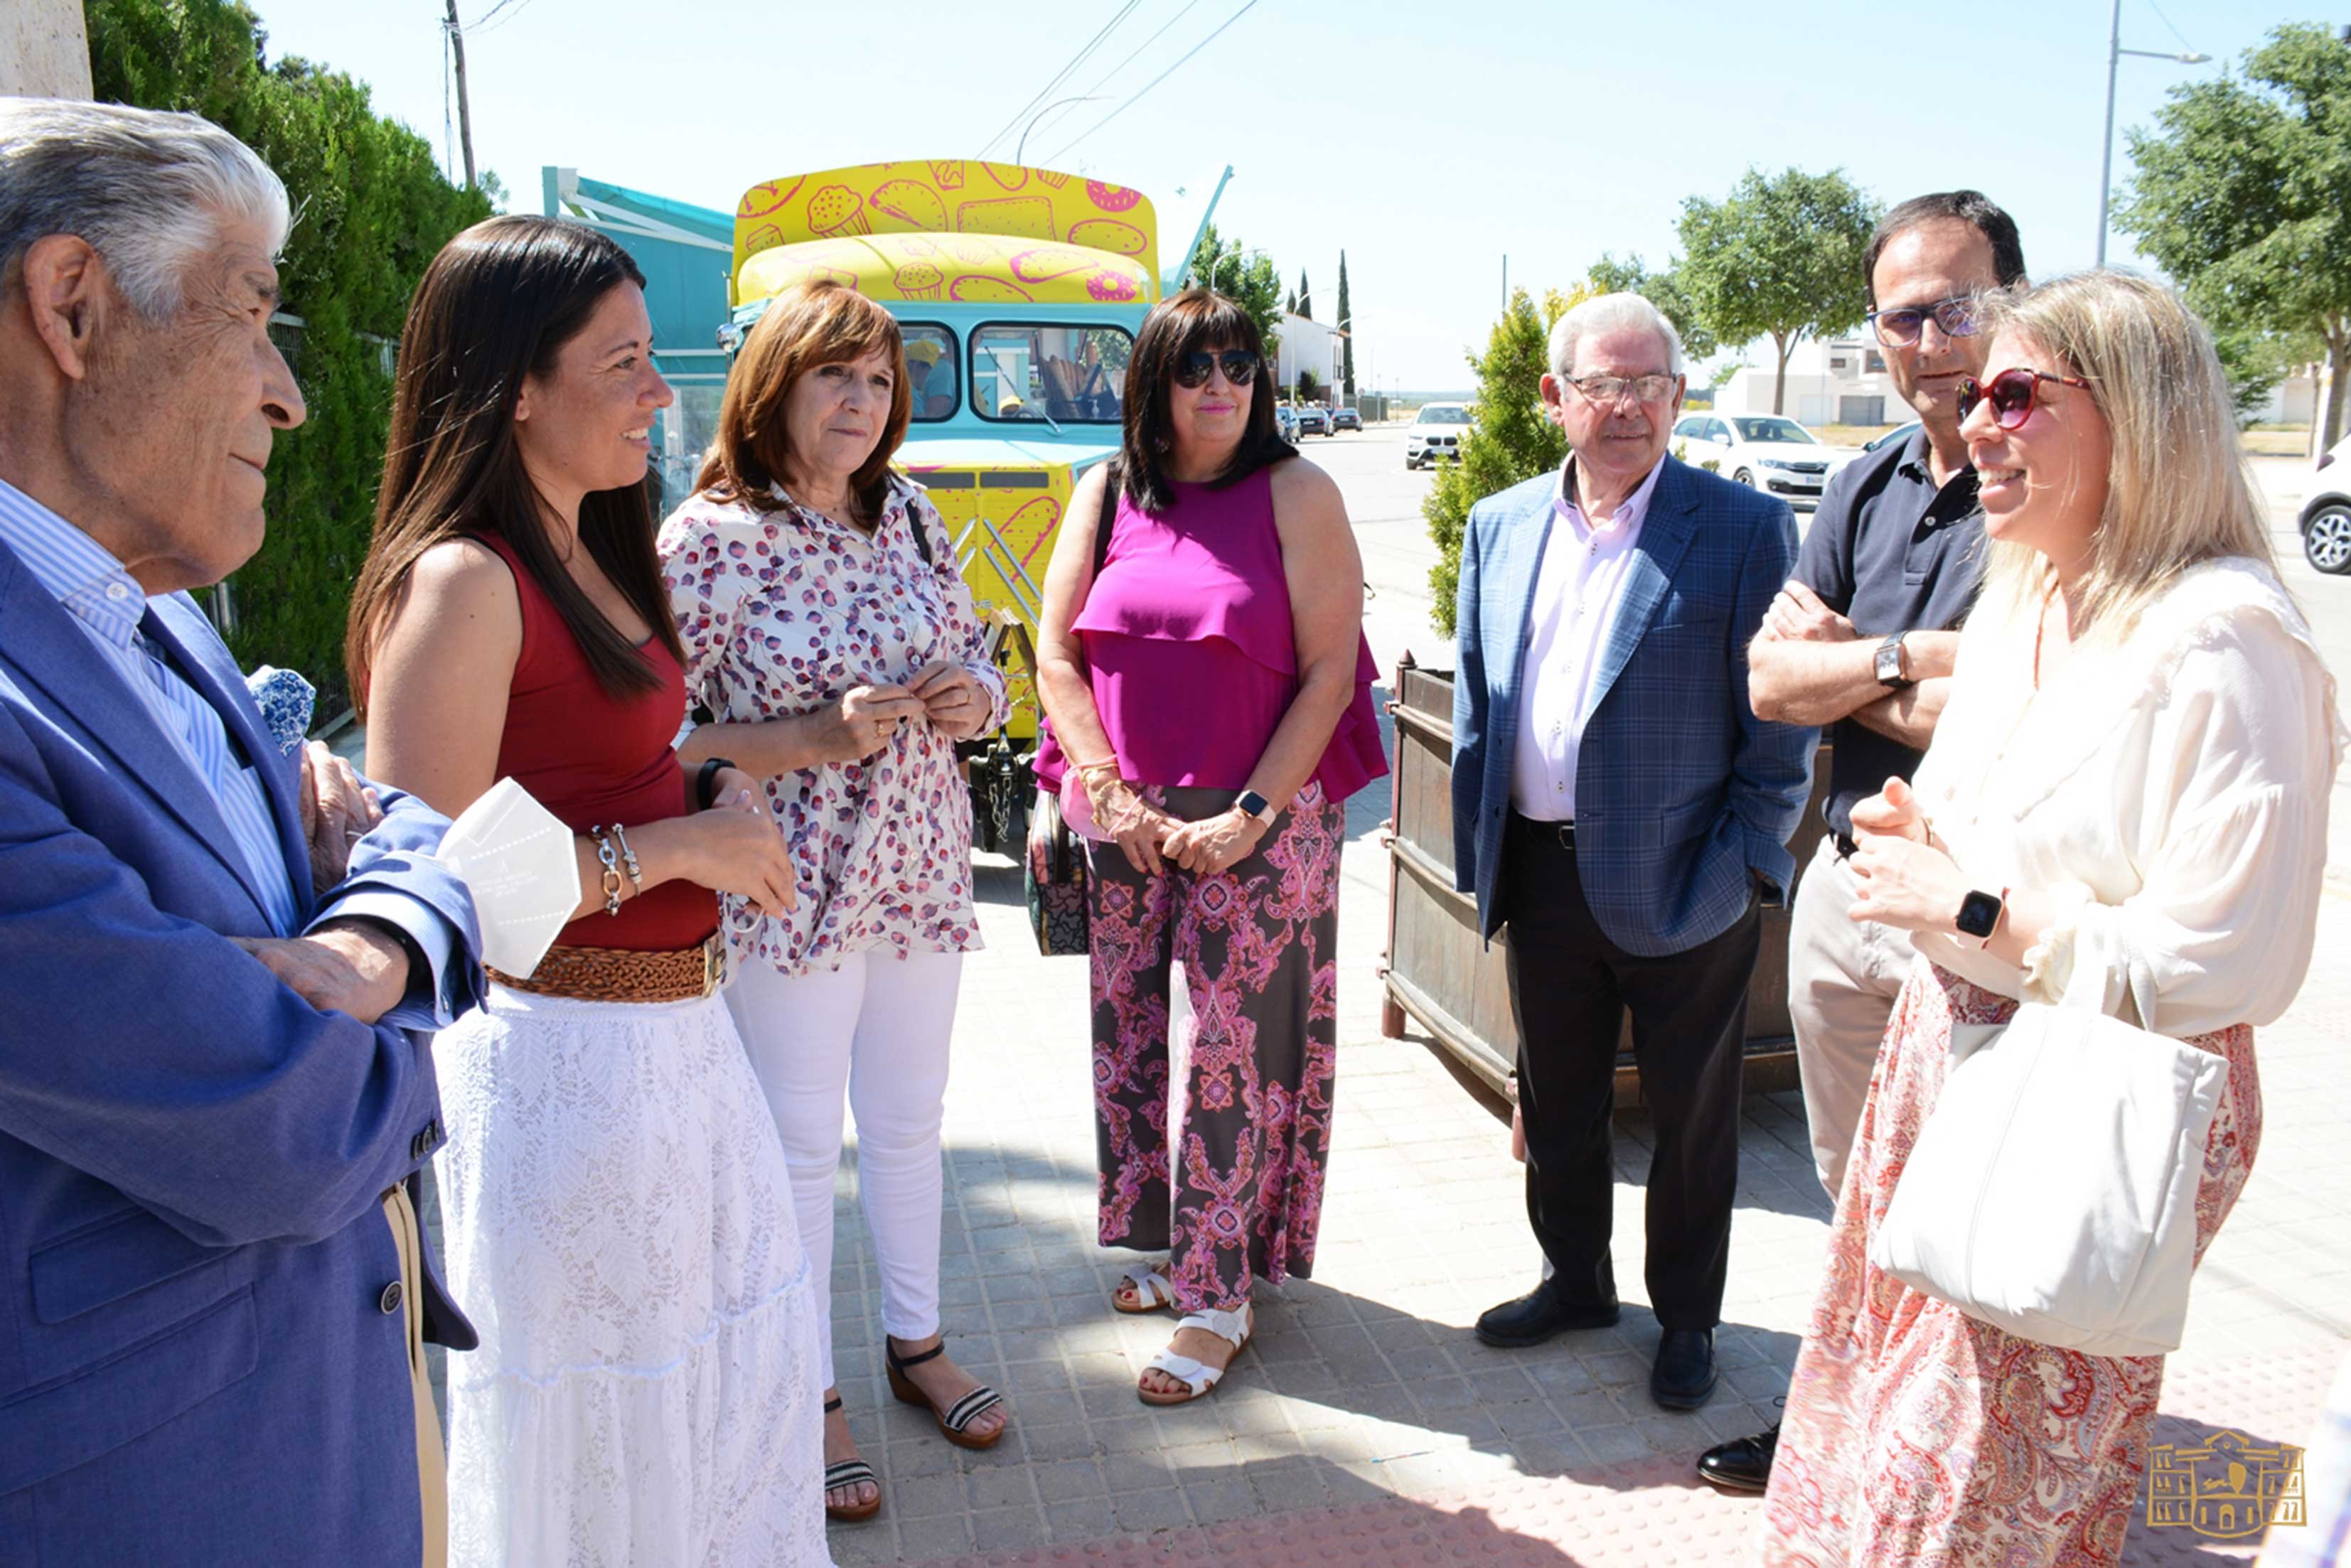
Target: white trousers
(1843,977)
(878,1025)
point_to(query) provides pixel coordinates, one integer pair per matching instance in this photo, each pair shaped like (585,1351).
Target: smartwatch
(707,780)
(1980,915)
(1887,665)
(1257,806)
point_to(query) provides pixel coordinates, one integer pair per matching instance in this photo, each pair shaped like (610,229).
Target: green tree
(1662,290)
(2240,196)
(1346,325)
(1512,440)
(1305,296)
(372,210)
(1779,257)
(1246,278)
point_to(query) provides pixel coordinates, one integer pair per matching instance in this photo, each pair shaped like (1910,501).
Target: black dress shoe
(1537,1316)
(1743,1464)
(1684,1374)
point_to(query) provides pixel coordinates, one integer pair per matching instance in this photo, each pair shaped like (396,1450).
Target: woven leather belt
(625,975)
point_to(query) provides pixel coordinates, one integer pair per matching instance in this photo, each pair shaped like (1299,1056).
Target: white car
(2326,515)
(1764,451)
(1436,432)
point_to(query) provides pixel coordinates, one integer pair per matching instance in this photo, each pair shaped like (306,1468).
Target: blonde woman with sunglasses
(2126,798)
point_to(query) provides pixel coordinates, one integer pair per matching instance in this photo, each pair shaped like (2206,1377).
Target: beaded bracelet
(629,856)
(612,864)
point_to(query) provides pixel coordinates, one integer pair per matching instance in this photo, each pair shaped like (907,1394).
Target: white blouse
(2170,792)
(781,612)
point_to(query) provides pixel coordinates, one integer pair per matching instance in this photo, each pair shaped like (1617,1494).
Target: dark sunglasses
(2011,393)
(1899,329)
(1194,368)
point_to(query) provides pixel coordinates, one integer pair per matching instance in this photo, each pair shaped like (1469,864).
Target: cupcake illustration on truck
(1025,288)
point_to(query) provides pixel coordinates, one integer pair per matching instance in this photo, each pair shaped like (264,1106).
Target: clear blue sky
(1425,139)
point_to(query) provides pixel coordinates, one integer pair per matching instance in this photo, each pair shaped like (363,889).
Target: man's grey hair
(149,191)
(1610,313)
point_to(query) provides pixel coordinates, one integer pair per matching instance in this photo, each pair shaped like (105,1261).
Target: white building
(1839,381)
(1308,345)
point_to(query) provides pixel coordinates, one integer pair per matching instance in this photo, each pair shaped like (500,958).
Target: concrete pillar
(44,50)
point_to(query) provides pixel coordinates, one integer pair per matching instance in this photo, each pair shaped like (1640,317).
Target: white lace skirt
(618,1224)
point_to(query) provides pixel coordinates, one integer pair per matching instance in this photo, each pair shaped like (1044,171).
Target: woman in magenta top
(1209,693)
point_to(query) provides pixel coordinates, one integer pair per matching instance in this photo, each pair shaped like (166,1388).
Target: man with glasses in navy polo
(1861,641)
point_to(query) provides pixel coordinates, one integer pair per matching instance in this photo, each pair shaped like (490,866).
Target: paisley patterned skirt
(1241,1197)
(1915,1433)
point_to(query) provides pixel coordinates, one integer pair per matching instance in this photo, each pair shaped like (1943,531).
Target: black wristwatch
(707,779)
(1980,915)
(1887,665)
(1257,806)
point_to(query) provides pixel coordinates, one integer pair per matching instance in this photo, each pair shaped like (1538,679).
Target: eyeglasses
(2011,394)
(1900,328)
(1194,368)
(1607,390)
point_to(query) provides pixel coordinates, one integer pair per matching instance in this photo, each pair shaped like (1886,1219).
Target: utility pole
(465,110)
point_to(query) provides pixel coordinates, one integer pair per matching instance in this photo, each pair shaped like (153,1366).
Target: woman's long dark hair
(1195,319)
(500,303)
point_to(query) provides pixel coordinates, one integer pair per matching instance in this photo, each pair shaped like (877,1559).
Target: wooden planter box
(1440,973)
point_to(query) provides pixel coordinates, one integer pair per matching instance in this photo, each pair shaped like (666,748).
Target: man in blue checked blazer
(1621,814)
(212,955)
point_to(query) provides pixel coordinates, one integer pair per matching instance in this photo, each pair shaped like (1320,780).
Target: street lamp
(2115,52)
(1217,266)
(1022,145)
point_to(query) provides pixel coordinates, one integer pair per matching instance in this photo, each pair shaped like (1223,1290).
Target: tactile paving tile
(1653,1513)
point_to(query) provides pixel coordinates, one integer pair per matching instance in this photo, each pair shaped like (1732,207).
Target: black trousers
(1569,987)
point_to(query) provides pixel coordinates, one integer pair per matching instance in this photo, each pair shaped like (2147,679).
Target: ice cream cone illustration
(975,291)
(906,201)
(1030,217)
(1009,176)
(1112,287)
(919,280)
(1106,234)
(947,172)
(762,199)
(835,213)
(1052,177)
(1111,198)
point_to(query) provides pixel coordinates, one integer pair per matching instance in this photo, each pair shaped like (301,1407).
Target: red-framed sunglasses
(2013,394)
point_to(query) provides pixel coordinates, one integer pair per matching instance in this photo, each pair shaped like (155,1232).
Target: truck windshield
(1065,373)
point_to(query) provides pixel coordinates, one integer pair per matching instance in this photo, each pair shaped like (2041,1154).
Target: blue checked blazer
(197,1365)
(1680,789)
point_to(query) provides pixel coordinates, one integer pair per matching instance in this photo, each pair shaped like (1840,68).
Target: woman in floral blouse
(842,660)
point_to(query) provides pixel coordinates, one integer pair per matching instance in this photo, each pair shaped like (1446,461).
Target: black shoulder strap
(1109,516)
(922,537)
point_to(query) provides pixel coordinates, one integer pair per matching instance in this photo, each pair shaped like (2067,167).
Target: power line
(1146,44)
(2167,22)
(509,10)
(1162,75)
(1059,76)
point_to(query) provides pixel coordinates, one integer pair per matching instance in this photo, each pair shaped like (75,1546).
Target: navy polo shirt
(1890,551)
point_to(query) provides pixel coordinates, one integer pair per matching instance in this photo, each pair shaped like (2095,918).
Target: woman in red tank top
(616,1206)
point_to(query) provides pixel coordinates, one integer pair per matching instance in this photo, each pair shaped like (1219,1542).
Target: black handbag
(1054,867)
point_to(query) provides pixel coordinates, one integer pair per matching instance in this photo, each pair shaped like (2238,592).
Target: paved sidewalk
(1364,1384)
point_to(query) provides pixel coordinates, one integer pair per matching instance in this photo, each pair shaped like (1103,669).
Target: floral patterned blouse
(781,613)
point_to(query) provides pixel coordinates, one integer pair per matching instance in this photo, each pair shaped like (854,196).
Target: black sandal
(955,1421)
(849,1473)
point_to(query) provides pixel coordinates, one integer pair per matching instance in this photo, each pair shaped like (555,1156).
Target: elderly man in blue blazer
(211,1283)
(1621,814)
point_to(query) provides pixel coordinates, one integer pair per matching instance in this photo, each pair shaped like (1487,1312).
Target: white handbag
(2051,1192)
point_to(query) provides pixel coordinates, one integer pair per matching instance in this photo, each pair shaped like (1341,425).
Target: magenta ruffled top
(1191,654)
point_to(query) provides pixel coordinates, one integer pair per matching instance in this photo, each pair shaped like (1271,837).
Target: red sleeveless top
(595,759)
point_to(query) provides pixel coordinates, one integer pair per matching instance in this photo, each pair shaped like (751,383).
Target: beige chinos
(1843,977)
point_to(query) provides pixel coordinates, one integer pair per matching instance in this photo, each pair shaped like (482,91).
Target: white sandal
(1198,1378)
(1150,1289)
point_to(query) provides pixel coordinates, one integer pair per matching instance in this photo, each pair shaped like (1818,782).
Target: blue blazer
(197,1365)
(1680,791)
